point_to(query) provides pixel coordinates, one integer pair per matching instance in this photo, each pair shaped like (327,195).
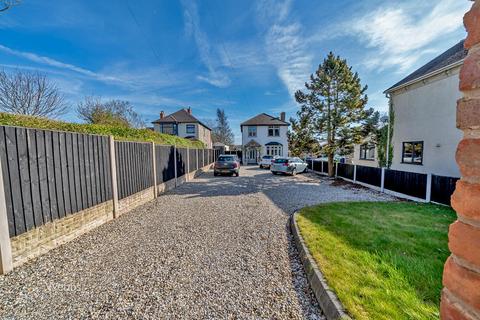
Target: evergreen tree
(222,131)
(336,101)
(301,137)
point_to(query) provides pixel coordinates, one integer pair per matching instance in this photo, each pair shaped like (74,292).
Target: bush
(119,133)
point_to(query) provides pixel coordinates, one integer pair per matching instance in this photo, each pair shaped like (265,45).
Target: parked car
(227,164)
(288,166)
(267,161)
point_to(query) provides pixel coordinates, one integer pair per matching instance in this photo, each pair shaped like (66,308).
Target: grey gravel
(218,247)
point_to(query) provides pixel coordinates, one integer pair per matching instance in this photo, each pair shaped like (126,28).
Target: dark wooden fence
(443,188)
(192,160)
(165,163)
(369,175)
(409,183)
(181,161)
(49,175)
(134,167)
(345,170)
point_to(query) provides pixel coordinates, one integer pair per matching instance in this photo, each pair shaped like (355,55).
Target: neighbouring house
(183,124)
(264,135)
(365,154)
(221,147)
(425,137)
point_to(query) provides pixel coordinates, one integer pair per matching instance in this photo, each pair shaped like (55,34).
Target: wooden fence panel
(192,159)
(317,166)
(443,188)
(409,183)
(42,173)
(134,167)
(345,170)
(181,161)
(369,175)
(165,162)
(325,167)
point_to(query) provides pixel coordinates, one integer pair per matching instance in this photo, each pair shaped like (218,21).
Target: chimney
(189,110)
(162,114)
(282,116)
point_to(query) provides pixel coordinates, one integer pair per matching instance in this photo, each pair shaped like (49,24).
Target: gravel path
(218,247)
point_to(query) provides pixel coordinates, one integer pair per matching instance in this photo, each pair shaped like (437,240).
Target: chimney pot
(189,110)
(282,116)
(162,114)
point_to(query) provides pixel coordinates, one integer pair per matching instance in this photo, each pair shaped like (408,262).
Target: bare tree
(30,93)
(7,4)
(112,112)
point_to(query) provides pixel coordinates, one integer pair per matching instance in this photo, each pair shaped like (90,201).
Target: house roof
(264,119)
(181,116)
(453,55)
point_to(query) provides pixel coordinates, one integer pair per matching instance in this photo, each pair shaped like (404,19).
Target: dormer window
(274,131)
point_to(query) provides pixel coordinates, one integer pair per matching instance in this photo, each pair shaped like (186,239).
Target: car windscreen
(281,160)
(267,157)
(225,159)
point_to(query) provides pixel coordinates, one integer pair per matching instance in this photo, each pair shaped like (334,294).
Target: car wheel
(274,172)
(294,172)
(215,174)
(261,167)
(237,174)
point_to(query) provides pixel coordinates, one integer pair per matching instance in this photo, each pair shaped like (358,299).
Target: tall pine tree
(222,131)
(336,101)
(301,138)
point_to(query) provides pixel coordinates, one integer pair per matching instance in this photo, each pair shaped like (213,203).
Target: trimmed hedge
(119,133)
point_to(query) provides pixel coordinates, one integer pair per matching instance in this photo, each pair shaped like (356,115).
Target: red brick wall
(461,276)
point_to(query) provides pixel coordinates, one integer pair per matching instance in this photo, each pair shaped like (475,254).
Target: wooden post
(428,196)
(6,260)
(155,193)
(113,171)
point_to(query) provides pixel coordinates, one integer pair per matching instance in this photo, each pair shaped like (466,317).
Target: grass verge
(384,260)
(119,133)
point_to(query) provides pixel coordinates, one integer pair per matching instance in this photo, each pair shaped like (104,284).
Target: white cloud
(285,45)
(192,28)
(403,33)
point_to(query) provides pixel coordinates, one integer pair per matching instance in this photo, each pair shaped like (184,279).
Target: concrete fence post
(113,172)
(197,159)
(175,163)
(154,165)
(428,194)
(312,165)
(382,181)
(355,173)
(188,163)
(6,260)
(336,169)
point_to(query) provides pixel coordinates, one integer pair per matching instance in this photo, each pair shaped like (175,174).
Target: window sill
(366,159)
(415,164)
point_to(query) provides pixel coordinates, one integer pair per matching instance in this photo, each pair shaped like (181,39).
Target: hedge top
(119,133)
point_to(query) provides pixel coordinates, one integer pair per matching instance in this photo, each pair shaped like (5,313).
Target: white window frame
(252,131)
(275,131)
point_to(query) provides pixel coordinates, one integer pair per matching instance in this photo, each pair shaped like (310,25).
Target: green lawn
(384,260)
(119,133)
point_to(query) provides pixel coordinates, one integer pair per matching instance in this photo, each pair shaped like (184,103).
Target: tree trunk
(331,171)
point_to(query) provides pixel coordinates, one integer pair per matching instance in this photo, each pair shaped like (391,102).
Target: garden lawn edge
(327,299)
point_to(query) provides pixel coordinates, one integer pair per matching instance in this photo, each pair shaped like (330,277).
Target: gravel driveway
(217,247)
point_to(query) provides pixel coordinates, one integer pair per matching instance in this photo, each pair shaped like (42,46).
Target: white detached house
(264,135)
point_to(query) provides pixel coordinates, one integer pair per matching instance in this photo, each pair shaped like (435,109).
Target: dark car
(227,164)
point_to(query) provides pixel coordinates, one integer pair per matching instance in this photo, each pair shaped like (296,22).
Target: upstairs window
(367,152)
(412,152)
(168,128)
(273,131)
(252,131)
(191,128)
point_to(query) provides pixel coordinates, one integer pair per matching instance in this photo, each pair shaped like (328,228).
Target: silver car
(288,166)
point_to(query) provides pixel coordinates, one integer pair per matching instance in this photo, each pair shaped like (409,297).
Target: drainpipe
(390,105)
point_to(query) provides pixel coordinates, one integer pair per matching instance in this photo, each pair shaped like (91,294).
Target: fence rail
(418,186)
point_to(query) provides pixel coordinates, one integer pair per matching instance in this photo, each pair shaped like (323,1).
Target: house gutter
(425,76)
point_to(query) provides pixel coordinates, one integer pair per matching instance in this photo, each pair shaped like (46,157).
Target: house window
(412,152)
(367,152)
(191,128)
(252,131)
(273,131)
(169,128)
(274,150)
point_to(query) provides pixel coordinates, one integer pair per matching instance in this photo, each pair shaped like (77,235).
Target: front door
(251,156)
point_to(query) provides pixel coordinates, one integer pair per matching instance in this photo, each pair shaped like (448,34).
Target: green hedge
(119,133)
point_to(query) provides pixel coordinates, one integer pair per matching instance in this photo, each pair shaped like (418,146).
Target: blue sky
(246,57)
